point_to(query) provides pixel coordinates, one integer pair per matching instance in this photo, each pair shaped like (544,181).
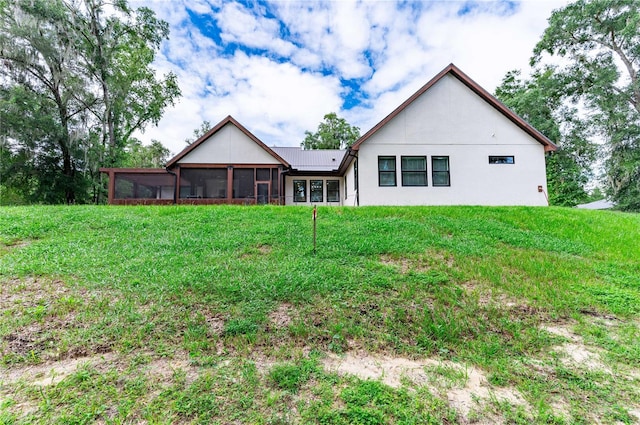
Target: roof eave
(476,88)
(215,129)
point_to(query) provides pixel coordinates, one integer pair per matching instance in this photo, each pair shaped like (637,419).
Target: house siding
(451,120)
(229,145)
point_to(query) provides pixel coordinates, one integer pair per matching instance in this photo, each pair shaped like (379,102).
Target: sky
(279,66)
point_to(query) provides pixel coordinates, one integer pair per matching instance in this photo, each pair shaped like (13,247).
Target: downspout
(175,185)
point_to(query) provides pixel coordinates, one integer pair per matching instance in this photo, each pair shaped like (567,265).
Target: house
(451,143)
(602,204)
(227,165)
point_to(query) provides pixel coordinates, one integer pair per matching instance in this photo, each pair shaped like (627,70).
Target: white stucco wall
(228,145)
(350,199)
(451,120)
(288,190)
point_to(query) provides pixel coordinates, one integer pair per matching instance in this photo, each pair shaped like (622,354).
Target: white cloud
(239,25)
(393,48)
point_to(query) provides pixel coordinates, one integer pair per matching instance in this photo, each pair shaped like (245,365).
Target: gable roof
(485,95)
(228,120)
(323,160)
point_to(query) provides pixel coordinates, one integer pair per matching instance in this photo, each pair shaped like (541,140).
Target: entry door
(262,191)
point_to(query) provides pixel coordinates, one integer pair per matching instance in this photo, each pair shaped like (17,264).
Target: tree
(205,126)
(333,133)
(38,55)
(118,51)
(540,102)
(138,155)
(600,42)
(88,73)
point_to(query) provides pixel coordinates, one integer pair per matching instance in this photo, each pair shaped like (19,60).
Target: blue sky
(278,67)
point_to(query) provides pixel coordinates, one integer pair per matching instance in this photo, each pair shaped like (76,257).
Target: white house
(451,143)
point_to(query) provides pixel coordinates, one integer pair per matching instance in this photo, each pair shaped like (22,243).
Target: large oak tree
(333,133)
(86,68)
(598,42)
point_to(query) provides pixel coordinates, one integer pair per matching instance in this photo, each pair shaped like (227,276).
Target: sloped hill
(225,314)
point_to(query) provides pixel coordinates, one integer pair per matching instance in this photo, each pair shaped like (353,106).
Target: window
(387,171)
(203,183)
(502,160)
(414,170)
(263,174)
(243,182)
(440,171)
(317,187)
(333,190)
(144,185)
(299,191)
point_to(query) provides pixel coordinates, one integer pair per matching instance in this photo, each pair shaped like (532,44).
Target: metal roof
(324,160)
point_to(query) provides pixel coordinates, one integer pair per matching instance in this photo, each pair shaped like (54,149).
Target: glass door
(262,193)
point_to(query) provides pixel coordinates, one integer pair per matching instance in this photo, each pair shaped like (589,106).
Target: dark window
(440,171)
(243,182)
(203,183)
(316,190)
(263,174)
(144,186)
(414,170)
(299,191)
(333,190)
(502,159)
(387,171)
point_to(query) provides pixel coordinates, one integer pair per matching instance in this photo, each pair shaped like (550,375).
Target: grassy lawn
(411,315)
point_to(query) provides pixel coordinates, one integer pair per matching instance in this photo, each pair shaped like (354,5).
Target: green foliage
(600,42)
(138,155)
(291,377)
(76,83)
(198,323)
(540,102)
(205,126)
(240,326)
(333,133)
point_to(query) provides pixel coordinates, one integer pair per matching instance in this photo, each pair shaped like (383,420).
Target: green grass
(239,293)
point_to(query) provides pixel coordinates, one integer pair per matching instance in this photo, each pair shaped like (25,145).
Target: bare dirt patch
(216,324)
(31,291)
(163,370)
(575,353)
(264,249)
(52,373)
(402,264)
(38,311)
(281,317)
(17,243)
(423,263)
(6,247)
(395,371)
(257,250)
(29,339)
(489,297)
